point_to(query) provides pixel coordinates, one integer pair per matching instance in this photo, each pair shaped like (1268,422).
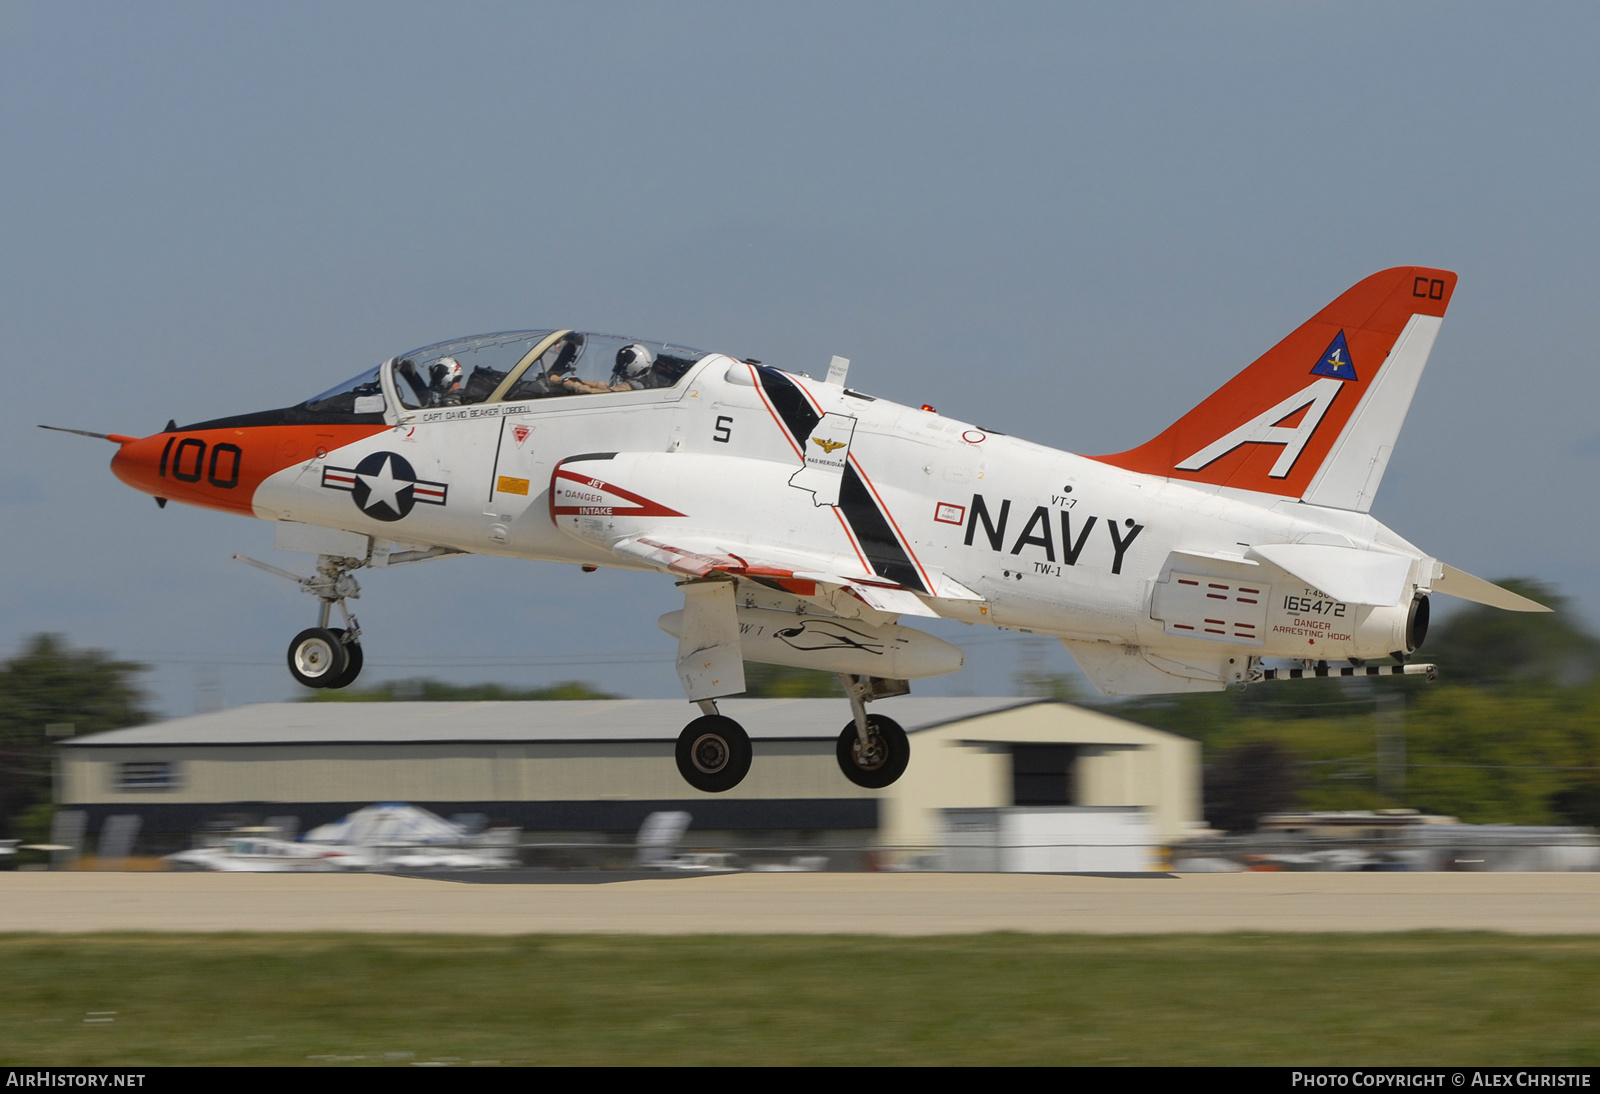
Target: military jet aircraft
(804,520)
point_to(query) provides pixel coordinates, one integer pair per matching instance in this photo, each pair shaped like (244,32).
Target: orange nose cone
(138,462)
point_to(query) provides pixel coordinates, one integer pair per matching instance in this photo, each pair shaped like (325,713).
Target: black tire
(353,660)
(316,657)
(884,763)
(713,753)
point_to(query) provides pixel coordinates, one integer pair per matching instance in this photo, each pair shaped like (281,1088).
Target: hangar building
(584,768)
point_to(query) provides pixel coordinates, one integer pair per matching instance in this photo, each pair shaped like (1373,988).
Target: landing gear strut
(713,752)
(323,656)
(873,750)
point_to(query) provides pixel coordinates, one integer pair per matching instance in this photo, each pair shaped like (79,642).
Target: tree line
(1509,733)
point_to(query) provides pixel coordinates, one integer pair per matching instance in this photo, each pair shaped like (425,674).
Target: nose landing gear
(323,656)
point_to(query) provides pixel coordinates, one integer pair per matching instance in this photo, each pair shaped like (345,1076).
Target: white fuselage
(993,529)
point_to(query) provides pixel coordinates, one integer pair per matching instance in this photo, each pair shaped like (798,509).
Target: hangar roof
(589,720)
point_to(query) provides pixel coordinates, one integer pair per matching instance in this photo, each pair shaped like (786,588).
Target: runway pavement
(824,903)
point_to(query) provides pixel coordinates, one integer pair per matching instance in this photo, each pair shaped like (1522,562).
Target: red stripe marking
(647,508)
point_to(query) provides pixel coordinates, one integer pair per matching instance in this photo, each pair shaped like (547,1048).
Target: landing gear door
(710,660)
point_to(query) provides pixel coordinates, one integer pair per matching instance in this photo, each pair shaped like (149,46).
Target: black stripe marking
(495,470)
(790,403)
(874,533)
(867,522)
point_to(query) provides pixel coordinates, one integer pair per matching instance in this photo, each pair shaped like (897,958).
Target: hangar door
(1044,774)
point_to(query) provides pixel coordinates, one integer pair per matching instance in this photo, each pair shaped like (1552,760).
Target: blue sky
(1071,222)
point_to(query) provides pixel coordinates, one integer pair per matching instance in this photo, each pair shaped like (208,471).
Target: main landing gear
(714,751)
(323,656)
(873,750)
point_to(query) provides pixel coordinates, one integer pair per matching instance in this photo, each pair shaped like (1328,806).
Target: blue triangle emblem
(1335,361)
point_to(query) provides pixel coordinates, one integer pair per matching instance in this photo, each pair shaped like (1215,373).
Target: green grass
(1456,999)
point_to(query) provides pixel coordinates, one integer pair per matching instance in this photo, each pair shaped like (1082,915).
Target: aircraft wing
(792,571)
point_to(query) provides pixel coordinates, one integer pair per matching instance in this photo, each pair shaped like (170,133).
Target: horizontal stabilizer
(1344,573)
(1218,556)
(1463,586)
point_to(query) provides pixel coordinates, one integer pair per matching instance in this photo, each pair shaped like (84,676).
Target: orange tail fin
(1317,415)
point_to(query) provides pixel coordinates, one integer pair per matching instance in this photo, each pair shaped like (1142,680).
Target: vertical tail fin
(1317,415)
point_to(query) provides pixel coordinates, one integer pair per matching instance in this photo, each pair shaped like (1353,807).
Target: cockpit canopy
(512,366)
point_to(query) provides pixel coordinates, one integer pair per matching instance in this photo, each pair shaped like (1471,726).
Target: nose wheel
(713,753)
(324,656)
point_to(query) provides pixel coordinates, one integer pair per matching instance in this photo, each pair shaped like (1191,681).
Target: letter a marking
(1264,429)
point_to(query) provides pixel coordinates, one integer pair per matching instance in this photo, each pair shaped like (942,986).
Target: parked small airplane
(804,519)
(263,854)
(387,836)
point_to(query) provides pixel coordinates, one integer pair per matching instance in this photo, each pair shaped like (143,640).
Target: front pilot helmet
(446,374)
(633,361)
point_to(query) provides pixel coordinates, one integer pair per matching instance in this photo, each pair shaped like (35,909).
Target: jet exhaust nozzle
(1417,623)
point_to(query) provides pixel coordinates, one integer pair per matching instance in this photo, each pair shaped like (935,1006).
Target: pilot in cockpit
(444,382)
(632,371)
